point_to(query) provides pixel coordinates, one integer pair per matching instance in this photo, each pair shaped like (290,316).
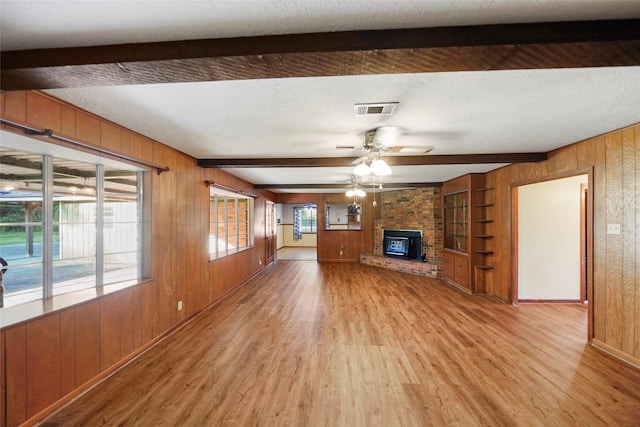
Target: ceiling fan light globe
(359,193)
(361,170)
(380,167)
(350,193)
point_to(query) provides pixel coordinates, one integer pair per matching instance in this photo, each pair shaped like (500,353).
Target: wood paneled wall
(615,161)
(54,355)
(49,357)
(332,242)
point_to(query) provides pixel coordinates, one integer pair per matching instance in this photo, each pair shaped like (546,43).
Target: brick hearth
(402,265)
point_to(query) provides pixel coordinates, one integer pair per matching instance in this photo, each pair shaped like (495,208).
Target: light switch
(613,228)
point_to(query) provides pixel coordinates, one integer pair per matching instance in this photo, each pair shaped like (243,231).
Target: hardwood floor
(341,344)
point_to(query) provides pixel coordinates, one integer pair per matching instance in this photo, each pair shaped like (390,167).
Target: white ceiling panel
(514,111)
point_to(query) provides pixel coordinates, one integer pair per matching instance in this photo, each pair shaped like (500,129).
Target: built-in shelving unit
(467,252)
(482,262)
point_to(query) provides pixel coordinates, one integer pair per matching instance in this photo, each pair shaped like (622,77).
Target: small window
(230,223)
(306,219)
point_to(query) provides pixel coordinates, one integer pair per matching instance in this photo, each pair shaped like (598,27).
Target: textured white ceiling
(44,24)
(463,112)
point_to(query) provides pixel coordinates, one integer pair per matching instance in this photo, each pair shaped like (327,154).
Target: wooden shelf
(464,197)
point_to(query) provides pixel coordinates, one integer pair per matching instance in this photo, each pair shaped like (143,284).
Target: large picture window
(231,223)
(68,224)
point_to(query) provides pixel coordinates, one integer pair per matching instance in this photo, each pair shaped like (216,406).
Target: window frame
(313,227)
(232,212)
(47,289)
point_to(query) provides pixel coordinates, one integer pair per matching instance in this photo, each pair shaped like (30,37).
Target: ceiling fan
(385,138)
(356,184)
(378,140)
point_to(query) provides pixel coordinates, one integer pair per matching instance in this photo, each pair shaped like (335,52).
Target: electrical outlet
(259,262)
(341,253)
(179,305)
(613,228)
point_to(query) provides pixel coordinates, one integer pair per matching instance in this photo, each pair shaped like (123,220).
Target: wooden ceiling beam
(463,48)
(328,162)
(345,186)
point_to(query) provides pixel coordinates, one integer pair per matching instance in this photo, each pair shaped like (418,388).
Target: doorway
(551,240)
(297,231)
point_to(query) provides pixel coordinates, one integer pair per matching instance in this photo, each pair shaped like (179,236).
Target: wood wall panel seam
(600,247)
(615,326)
(43,373)
(16,374)
(628,241)
(637,249)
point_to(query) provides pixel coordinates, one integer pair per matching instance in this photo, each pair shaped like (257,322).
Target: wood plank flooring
(341,344)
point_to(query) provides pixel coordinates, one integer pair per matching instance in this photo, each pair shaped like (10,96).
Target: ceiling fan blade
(367,179)
(410,149)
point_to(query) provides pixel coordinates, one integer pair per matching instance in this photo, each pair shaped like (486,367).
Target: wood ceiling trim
(319,162)
(469,48)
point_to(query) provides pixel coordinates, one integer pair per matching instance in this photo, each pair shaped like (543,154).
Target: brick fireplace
(415,209)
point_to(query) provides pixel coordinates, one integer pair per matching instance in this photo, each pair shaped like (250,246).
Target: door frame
(270,253)
(513,207)
(584,255)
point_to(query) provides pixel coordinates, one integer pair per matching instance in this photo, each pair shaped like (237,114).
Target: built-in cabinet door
(461,274)
(448,267)
(456,268)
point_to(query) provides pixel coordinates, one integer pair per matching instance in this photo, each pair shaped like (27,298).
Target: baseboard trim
(455,285)
(549,301)
(618,354)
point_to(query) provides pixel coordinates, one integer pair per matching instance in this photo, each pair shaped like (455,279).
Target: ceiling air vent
(380,109)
